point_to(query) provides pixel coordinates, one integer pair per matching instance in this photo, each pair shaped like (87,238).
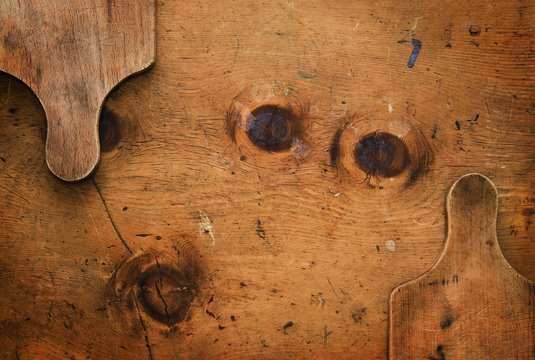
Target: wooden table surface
(192,241)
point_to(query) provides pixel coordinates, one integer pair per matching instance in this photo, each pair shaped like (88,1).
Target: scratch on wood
(14,193)
(262,233)
(326,334)
(117,232)
(335,294)
(306,75)
(90,214)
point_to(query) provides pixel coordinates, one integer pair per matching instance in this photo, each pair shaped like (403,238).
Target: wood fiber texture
(279,237)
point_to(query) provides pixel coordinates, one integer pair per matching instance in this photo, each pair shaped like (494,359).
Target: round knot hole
(382,154)
(166,294)
(270,128)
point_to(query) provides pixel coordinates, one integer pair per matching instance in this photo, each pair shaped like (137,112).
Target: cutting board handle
(472,206)
(471,304)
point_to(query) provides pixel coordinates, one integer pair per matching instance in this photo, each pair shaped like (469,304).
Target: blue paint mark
(417,45)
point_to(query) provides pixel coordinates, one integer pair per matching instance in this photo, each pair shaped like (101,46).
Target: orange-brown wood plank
(302,236)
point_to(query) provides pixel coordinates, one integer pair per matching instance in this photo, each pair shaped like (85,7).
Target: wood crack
(117,232)
(158,290)
(146,336)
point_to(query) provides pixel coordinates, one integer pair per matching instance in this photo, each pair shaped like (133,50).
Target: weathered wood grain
(276,238)
(471,304)
(72,54)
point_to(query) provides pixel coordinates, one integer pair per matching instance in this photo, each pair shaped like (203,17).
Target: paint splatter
(416,46)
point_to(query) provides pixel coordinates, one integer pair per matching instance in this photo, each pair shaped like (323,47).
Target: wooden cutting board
(72,54)
(471,304)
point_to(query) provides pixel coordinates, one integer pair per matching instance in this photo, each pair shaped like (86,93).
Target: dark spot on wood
(13,39)
(435,131)
(125,208)
(289,324)
(109,10)
(358,315)
(3,160)
(446,321)
(13,110)
(221,327)
(109,130)
(335,147)
(474,30)
(242,284)
(243,158)
(232,317)
(382,154)
(211,314)
(270,128)
(260,230)
(457,124)
(439,352)
(528,211)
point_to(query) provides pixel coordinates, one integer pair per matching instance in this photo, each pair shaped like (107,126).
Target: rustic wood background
(191,242)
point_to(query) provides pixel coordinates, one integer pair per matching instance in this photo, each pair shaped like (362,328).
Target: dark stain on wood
(288,325)
(440,354)
(334,151)
(528,211)
(109,130)
(435,131)
(358,315)
(13,39)
(474,30)
(447,320)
